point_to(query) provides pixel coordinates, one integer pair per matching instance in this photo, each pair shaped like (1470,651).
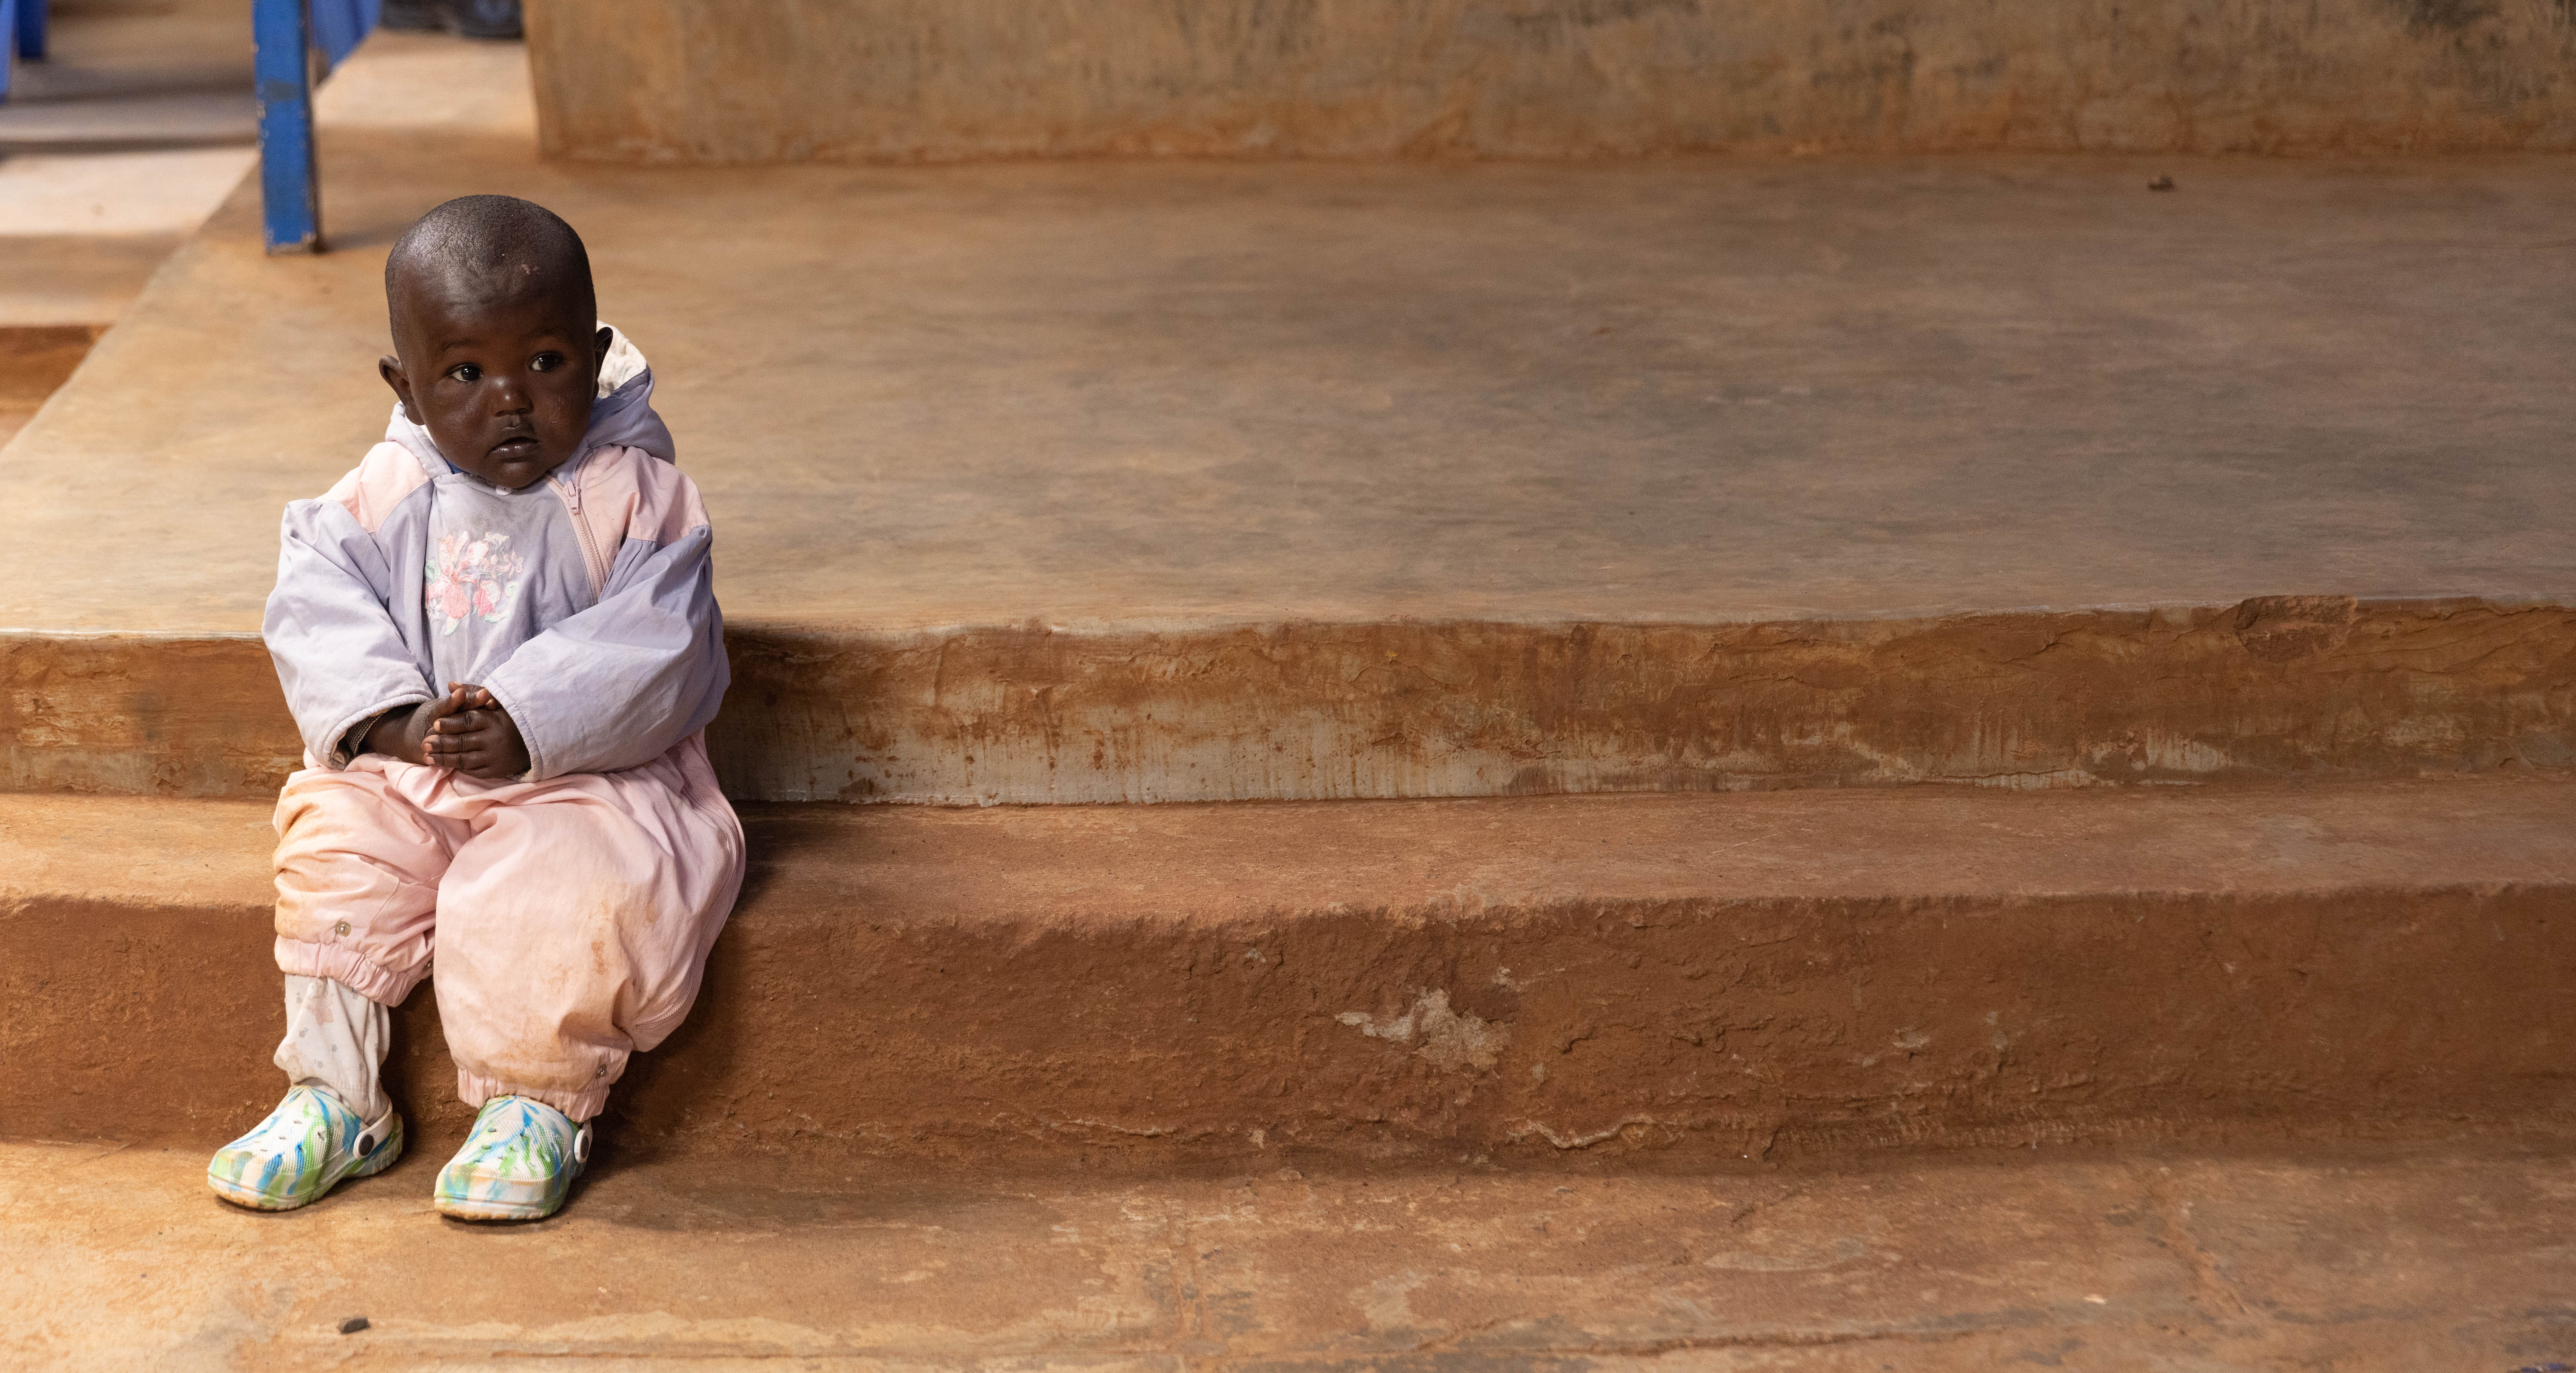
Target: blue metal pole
(8,43)
(31,29)
(290,202)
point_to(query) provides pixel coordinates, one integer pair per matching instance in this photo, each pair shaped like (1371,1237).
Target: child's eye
(546,362)
(465,371)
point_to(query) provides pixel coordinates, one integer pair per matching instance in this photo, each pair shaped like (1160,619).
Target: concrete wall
(790,80)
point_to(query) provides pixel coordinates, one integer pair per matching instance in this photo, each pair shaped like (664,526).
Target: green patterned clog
(517,1165)
(301,1151)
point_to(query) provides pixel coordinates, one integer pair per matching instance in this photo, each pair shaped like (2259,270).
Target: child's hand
(476,737)
(404,734)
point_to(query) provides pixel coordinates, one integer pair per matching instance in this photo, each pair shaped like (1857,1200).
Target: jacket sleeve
(337,652)
(620,683)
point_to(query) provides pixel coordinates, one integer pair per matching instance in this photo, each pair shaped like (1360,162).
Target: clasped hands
(465,730)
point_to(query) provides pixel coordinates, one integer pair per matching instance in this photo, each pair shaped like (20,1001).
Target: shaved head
(488,247)
(497,341)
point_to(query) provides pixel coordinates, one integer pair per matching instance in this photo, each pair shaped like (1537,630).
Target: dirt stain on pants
(570,918)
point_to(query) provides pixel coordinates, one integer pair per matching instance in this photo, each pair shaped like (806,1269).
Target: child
(499,639)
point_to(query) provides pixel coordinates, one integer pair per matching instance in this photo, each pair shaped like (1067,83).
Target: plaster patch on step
(2284,629)
(1387,1302)
(1082,1125)
(1563,1140)
(1450,1040)
(2174,753)
(2057,780)
(1795,1257)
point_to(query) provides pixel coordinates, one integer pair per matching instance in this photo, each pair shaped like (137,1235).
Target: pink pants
(571,918)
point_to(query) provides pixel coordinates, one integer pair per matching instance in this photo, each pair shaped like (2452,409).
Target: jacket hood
(623,414)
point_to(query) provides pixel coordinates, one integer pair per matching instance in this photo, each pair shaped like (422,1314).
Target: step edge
(2431,602)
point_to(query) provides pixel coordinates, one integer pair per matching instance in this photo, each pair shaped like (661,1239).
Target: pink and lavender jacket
(585,602)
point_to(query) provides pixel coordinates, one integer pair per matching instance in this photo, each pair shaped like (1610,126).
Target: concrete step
(1114,482)
(34,359)
(2272,688)
(1686,977)
(2379,1259)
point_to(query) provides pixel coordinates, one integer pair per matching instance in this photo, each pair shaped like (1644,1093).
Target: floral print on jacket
(471,579)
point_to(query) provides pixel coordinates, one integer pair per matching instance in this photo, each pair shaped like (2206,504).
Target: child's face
(503,380)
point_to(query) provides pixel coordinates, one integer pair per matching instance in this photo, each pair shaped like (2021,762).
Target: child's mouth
(518,447)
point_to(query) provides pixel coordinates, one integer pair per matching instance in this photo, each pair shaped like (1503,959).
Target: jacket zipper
(589,546)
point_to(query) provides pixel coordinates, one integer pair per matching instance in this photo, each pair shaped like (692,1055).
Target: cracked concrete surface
(2412,1259)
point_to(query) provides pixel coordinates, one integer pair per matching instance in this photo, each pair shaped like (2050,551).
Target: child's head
(496,352)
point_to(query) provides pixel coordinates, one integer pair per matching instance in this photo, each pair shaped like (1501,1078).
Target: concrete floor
(2383,1261)
(135,126)
(102,54)
(160,196)
(1127,394)
(112,151)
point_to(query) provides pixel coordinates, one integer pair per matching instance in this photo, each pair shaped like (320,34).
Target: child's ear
(600,343)
(390,368)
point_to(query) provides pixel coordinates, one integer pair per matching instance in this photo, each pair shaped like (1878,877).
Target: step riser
(908,81)
(138,715)
(35,358)
(1691,1028)
(2283,687)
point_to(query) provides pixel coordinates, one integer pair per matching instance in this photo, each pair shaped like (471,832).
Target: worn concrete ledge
(2274,687)
(2279,687)
(1692,977)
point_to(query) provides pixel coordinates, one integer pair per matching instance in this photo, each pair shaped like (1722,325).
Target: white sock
(336,1039)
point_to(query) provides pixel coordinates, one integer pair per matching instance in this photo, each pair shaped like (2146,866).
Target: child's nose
(509,398)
